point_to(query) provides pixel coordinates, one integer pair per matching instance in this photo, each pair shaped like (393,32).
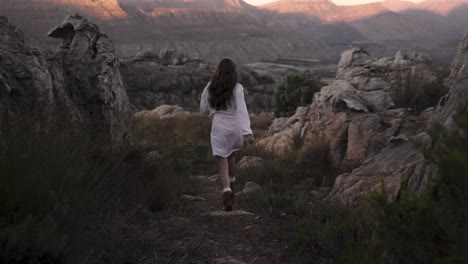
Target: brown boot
(228,200)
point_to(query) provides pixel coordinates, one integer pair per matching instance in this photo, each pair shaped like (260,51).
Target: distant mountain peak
(103,9)
(303,1)
(219,4)
(189,4)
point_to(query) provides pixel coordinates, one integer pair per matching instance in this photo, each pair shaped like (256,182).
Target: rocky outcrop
(355,114)
(401,165)
(26,85)
(458,95)
(78,84)
(375,143)
(172,78)
(87,70)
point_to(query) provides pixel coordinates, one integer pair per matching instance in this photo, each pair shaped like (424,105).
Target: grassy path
(206,234)
(200,232)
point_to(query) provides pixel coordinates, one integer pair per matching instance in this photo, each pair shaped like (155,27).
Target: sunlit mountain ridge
(317,29)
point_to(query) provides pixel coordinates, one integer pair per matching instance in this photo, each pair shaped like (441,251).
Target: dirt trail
(200,232)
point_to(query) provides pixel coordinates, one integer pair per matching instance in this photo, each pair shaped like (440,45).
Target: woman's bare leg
(228,195)
(224,171)
(232,167)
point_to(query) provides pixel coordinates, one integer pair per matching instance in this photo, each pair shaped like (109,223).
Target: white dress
(230,125)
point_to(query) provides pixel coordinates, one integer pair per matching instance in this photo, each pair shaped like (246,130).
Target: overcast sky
(339,2)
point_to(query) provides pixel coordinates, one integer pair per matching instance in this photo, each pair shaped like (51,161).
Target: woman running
(223,98)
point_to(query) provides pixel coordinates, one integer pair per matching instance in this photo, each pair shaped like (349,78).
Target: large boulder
(86,73)
(396,166)
(79,84)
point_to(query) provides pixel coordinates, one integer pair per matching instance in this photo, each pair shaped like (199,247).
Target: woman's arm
(242,111)
(204,104)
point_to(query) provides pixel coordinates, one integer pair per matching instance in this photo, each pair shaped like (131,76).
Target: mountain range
(310,29)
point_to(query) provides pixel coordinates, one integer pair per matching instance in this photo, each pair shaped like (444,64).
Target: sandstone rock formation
(80,83)
(354,115)
(89,72)
(371,139)
(401,165)
(458,95)
(172,78)
(397,166)
(26,85)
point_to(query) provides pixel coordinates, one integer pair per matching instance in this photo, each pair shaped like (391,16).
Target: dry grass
(62,195)
(260,123)
(152,130)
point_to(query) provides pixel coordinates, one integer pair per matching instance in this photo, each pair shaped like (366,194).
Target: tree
(296,90)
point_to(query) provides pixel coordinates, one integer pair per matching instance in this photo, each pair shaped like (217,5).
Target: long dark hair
(222,84)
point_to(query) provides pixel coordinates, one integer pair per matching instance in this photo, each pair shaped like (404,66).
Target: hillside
(310,29)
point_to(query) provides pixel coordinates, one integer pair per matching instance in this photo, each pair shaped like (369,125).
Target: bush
(335,231)
(185,138)
(51,184)
(260,123)
(279,177)
(63,195)
(413,91)
(297,90)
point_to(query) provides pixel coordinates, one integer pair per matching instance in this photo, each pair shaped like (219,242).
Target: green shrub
(297,90)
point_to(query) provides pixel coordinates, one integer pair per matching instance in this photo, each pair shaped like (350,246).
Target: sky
(338,2)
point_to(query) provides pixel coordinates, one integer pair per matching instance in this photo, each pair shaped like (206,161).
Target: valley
(297,29)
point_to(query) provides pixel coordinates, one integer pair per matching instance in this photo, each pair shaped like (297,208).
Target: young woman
(223,98)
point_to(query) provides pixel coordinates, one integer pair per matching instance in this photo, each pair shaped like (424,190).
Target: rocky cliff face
(172,78)
(367,136)
(80,83)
